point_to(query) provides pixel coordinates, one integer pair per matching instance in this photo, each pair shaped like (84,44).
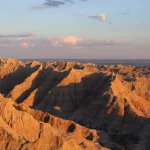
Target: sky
(75,29)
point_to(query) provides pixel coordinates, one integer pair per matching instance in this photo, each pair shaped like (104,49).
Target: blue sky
(75,29)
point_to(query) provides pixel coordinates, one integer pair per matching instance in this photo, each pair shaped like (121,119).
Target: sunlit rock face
(73,106)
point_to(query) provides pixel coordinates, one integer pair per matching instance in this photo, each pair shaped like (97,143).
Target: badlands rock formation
(73,106)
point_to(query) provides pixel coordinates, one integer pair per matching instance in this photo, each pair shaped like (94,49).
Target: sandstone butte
(73,106)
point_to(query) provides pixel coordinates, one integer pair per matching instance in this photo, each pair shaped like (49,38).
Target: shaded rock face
(73,106)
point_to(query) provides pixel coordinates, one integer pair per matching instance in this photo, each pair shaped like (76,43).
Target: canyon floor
(73,106)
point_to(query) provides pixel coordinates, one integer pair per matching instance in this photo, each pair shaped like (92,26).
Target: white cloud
(118,42)
(72,41)
(26,45)
(64,40)
(58,42)
(101,17)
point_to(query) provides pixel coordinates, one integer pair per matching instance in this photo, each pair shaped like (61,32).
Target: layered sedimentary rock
(71,105)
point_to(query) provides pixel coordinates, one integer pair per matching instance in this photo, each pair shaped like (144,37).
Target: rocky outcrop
(74,105)
(24,128)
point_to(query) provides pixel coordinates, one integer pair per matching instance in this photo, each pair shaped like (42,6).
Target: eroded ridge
(73,106)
